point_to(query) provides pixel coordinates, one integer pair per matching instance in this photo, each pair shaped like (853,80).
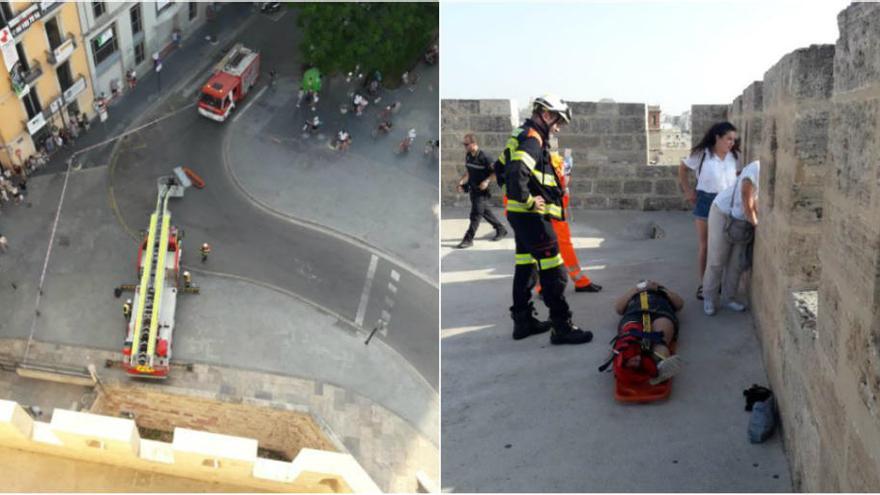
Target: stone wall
(702,118)
(814,122)
(192,454)
(609,148)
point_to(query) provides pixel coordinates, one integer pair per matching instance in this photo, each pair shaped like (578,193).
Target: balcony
(22,80)
(33,73)
(63,51)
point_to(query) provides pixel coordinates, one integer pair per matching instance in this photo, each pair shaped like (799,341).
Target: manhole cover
(63,240)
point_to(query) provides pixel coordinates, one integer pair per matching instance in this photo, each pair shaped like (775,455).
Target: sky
(671,53)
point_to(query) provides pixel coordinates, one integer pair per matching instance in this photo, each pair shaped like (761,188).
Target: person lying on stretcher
(647,328)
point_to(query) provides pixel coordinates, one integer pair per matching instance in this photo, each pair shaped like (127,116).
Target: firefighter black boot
(566,332)
(525,324)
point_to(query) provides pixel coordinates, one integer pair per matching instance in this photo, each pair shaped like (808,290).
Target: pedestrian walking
(475,182)
(272,75)
(205,250)
(4,243)
(187,279)
(534,197)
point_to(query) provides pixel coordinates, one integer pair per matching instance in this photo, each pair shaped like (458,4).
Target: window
(139,53)
(136,24)
(104,45)
(53,33)
(98,9)
(162,5)
(5,13)
(65,79)
(193,10)
(32,104)
(22,58)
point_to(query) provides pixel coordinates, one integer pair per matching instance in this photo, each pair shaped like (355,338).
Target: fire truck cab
(233,78)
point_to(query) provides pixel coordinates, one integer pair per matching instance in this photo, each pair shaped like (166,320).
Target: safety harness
(634,341)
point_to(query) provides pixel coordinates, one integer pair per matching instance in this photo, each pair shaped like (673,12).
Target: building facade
(46,77)
(123,36)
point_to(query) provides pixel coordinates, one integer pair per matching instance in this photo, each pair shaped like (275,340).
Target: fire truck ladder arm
(144,315)
(159,280)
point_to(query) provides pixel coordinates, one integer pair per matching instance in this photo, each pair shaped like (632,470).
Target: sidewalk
(181,65)
(528,416)
(368,192)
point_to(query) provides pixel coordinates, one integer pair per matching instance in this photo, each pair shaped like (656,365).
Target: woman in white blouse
(714,161)
(740,202)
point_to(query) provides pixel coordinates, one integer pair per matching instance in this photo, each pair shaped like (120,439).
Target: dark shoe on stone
(525,324)
(593,287)
(566,332)
(465,243)
(500,234)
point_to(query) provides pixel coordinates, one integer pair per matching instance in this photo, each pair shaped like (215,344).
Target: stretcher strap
(646,315)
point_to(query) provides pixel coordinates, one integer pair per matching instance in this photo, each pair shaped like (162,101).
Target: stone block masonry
(813,121)
(608,143)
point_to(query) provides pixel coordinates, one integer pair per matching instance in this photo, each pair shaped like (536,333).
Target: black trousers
(537,256)
(480,208)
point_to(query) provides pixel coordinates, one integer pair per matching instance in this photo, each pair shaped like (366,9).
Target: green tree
(389,37)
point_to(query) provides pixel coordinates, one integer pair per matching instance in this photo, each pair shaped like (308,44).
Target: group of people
(342,139)
(534,181)
(726,213)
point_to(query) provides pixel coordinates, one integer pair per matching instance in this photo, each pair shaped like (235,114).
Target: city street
(311,248)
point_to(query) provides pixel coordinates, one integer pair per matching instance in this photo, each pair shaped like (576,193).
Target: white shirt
(722,201)
(716,174)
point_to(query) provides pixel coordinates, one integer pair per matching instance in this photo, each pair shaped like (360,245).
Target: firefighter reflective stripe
(545,179)
(646,316)
(525,158)
(525,259)
(511,146)
(550,263)
(520,207)
(554,211)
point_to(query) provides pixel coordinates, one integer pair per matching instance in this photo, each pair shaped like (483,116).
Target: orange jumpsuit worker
(582,282)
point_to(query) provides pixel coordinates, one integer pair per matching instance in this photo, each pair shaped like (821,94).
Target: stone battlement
(193,454)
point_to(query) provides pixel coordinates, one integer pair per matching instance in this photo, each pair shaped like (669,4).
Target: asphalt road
(325,269)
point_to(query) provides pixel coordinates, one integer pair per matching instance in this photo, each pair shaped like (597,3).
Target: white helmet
(553,103)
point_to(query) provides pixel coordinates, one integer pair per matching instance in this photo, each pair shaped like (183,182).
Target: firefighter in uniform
(187,279)
(205,250)
(126,309)
(534,197)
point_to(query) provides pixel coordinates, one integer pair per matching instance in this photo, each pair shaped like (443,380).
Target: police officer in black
(534,196)
(475,181)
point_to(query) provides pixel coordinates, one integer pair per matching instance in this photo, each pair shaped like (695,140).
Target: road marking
(392,288)
(389,302)
(248,104)
(365,295)
(395,275)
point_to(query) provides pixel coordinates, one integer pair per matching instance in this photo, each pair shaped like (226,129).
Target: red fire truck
(233,78)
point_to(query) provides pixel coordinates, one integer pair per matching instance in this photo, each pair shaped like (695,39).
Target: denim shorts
(704,202)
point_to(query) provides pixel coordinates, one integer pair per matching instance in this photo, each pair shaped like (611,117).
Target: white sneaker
(735,306)
(666,369)
(708,307)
